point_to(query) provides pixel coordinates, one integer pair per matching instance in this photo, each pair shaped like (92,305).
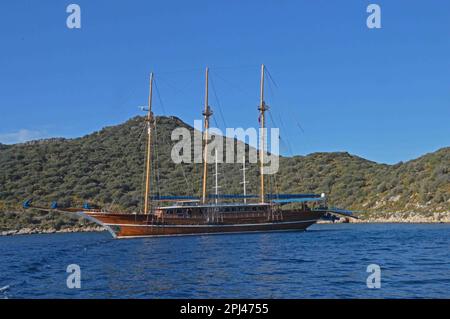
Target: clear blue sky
(380,94)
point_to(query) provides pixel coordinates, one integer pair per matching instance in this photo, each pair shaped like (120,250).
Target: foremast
(206,114)
(262,108)
(148,120)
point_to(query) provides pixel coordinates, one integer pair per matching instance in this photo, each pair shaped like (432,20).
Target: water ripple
(329,261)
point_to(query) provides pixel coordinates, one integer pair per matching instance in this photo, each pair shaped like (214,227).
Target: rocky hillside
(106,168)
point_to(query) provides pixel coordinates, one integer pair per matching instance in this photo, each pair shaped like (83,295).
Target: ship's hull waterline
(139,225)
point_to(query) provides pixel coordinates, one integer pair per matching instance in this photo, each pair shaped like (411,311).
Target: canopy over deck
(274,197)
(299,200)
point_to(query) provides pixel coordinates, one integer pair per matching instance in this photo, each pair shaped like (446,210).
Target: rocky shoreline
(405,217)
(30,231)
(398,218)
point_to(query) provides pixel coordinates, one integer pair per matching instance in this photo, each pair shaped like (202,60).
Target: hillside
(106,168)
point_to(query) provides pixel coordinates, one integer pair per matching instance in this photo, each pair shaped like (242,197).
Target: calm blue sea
(327,261)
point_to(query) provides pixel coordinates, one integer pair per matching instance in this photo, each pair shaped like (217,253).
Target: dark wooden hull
(139,225)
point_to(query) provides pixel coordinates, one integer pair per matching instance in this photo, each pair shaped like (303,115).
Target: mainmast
(149,119)
(206,113)
(262,108)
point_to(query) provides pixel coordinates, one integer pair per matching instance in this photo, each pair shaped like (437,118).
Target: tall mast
(206,113)
(262,108)
(149,148)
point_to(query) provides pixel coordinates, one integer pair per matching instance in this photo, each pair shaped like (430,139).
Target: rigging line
(282,140)
(123,100)
(224,140)
(300,127)
(284,130)
(142,132)
(272,92)
(185,177)
(193,69)
(183,171)
(224,176)
(182,70)
(215,122)
(157,176)
(297,173)
(168,83)
(154,153)
(297,122)
(163,139)
(270,77)
(143,170)
(248,66)
(270,83)
(285,144)
(160,100)
(224,143)
(235,86)
(276,85)
(195,186)
(218,102)
(274,124)
(108,206)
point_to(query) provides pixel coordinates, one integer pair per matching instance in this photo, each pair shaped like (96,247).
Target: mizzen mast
(206,113)
(262,108)
(149,119)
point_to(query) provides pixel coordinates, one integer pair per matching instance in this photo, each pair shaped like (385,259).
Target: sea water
(327,261)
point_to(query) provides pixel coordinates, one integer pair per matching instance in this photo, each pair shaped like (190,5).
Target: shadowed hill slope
(106,168)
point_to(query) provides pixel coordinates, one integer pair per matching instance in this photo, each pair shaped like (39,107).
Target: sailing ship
(183,215)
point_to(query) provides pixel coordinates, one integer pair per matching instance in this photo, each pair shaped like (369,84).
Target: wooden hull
(139,225)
